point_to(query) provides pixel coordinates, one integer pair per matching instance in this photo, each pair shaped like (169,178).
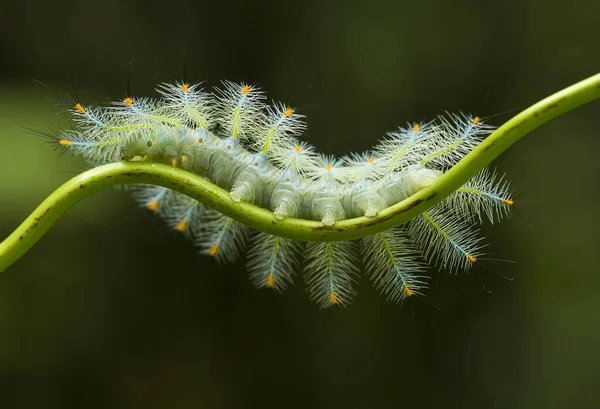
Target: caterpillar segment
(233,138)
(286,197)
(227,163)
(248,184)
(324,196)
(362,174)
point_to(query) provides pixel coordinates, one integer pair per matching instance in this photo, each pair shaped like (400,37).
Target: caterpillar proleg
(235,139)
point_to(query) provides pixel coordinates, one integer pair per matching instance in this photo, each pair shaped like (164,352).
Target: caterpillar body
(233,138)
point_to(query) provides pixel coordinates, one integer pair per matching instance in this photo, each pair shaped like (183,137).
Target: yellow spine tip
(64,142)
(270,280)
(153,205)
(184,159)
(182,225)
(297,148)
(333,299)
(128,101)
(476,120)
(371,160)
(246,89)
(408,291)
(213,250)
(328,168)
(416,127)
(80,108)
(509,202)
(289,111)
(185,88)
(471,258)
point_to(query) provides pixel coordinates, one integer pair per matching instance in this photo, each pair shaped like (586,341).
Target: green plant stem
(102,177)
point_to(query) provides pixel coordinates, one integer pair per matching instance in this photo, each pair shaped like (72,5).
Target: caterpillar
(235,138)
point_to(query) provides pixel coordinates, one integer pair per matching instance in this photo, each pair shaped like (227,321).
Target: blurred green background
(110,310)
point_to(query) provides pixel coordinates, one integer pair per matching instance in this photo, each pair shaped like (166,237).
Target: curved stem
(102,177)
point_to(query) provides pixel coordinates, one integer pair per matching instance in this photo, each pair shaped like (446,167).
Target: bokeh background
(110,310)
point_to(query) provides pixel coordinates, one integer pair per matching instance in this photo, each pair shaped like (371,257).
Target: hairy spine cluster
(237,141)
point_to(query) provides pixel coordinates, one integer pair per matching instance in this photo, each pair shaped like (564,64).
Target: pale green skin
(103,177)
